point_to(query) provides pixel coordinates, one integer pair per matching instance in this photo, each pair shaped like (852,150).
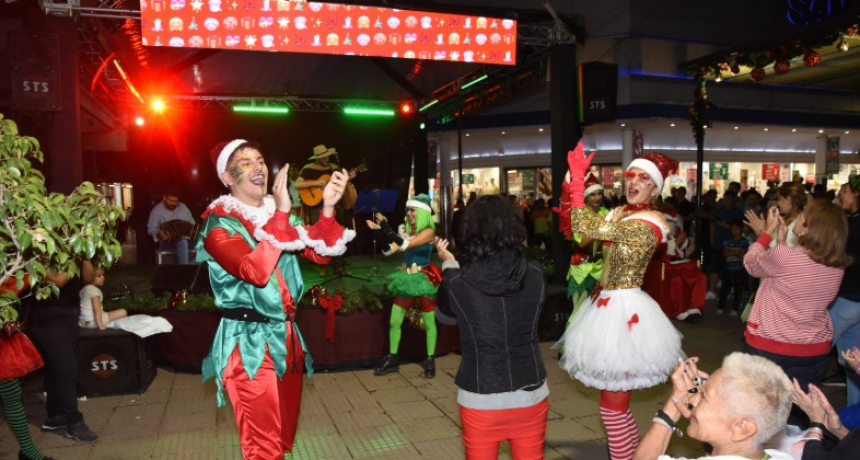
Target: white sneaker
(683,316)
(695,311)
(733,313)
(711,295)
(719,311)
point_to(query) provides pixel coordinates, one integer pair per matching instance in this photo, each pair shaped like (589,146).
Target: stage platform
(360,337)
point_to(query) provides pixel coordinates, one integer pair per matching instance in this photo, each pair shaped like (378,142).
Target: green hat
(421,201)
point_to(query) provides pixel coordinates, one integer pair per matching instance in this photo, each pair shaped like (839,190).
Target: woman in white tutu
(620,340)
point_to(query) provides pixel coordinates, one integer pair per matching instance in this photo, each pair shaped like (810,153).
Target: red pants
(688,286)
(266,408)
(524,429)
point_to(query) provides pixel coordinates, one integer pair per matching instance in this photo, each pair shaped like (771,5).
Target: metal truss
(295,104)
(105,9)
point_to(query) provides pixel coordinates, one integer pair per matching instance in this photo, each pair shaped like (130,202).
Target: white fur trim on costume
(258,216)
(221,164)
(593,189)
(294,245)
(388,252)
(650,168)
(403,246)
(450,264)
(321,248)
(418,204)
(652,220)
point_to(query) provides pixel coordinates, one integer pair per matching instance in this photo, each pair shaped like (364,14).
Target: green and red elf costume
(18,357)
(258,354)
(420,280)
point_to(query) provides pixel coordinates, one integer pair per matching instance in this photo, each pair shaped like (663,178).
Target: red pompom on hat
(592,184)
(657,165)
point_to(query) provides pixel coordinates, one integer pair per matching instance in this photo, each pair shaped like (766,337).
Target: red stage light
(139,121)
(157,105)
(406,108)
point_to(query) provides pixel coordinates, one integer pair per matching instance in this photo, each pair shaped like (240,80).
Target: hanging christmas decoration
(781,66)
(757,74)
(812,58)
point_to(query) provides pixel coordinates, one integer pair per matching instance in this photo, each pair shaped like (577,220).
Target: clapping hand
(281,191)
(818,408)
(334,189)
(442,248)
(755,222)
(852,357)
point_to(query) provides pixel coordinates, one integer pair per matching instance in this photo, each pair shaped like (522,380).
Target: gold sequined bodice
(633,244)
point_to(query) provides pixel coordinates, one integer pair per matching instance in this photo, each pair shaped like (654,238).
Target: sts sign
(805,12)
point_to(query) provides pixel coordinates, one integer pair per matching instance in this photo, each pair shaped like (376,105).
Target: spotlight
(157,105)
(406,108)
(139,121)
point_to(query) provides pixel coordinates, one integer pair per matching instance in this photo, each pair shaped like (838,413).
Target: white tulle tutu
(626,343)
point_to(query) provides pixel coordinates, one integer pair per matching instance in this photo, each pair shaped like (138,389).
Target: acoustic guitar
(312,196)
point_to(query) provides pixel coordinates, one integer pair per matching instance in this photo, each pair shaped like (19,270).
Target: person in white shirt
(93,315)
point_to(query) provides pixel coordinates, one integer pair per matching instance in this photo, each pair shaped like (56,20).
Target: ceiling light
(623,124)
(503,133)
(820,131)
(540,130)
(847,132)
(765,129)
(736,127)
(672,124)
(467,134)
(794,130)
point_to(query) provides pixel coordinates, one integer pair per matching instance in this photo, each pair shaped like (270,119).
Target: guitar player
(312,178)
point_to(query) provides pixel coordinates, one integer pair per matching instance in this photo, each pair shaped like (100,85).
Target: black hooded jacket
(496,304)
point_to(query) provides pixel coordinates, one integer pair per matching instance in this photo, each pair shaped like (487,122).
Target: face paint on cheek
(236,173)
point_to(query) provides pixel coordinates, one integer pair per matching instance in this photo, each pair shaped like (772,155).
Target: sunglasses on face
(630,176)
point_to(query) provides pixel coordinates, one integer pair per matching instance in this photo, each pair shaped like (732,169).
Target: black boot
(429,368)
(389,365)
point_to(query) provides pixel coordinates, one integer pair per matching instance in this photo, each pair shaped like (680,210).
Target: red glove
(578,164)
(564,210)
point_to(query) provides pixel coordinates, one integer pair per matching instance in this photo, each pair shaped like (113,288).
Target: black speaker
(113,362)
(598,92)
(171,278)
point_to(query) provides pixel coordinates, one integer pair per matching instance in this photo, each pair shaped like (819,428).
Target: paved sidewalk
(353,414)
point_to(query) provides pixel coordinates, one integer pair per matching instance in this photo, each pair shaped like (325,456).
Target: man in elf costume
(251,242)
(586,263)
(419,280)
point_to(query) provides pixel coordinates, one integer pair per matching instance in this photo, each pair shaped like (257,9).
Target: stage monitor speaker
(172,278)
(113,362)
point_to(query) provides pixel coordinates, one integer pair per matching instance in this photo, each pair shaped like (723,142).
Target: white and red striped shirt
(789,316)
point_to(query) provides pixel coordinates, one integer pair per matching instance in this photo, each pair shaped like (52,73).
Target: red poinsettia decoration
(757,74)
(781,66)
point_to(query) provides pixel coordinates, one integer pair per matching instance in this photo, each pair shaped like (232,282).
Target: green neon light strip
(255,109)
(481,78)
(368,111)
(428,105)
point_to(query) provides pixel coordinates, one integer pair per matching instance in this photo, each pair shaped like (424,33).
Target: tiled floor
(353,415)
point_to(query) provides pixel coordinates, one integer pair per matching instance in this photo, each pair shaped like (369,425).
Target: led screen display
(328,28)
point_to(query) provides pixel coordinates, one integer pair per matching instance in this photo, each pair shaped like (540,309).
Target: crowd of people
(784,262)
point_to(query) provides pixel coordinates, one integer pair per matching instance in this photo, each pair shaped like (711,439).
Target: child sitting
(92,314)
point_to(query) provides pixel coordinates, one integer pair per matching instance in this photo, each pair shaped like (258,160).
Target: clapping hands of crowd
(771,223)
(442,249)
(281,191)
(852,358)
(818,408)
(334,189)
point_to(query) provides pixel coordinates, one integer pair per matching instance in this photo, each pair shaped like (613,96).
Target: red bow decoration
(330,305)
(434,274)
(633,320)
(603,302)
(578,258)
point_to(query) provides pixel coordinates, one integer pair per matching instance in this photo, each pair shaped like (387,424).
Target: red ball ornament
(736,69)
(757,74)
(851,30)
(812,58)
(781,66)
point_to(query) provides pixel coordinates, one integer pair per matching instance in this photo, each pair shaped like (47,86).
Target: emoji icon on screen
(176,41)
(175,24)
(195,41)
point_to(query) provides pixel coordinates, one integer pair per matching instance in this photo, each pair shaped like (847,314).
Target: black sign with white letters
(35,74)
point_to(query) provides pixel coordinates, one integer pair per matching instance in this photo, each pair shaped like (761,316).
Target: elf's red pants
(266,408)
(523,428)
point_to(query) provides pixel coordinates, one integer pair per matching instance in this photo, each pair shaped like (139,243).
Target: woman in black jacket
(495,296)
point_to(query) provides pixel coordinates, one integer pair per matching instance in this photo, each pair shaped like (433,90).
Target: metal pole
(460,158)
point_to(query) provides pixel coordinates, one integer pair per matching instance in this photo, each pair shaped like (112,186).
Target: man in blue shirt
(170,209)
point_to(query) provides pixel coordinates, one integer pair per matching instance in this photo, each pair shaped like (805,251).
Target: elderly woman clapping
(740,407)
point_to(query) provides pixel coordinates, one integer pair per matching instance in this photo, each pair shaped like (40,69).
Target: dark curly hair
(491,224)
